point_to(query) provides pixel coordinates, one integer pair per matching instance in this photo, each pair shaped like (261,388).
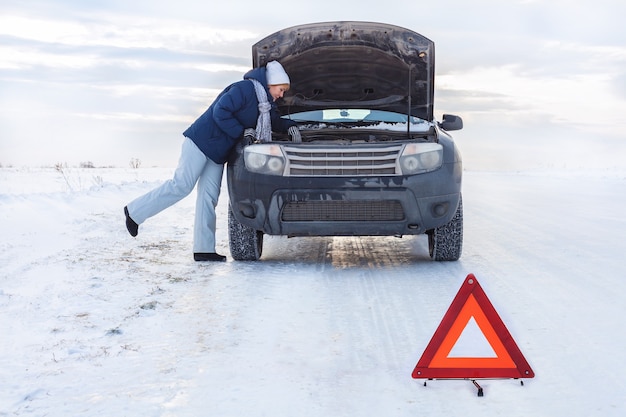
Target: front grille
(339,161)
(342,211)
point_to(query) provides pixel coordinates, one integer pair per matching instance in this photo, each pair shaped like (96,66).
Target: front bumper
(340,206)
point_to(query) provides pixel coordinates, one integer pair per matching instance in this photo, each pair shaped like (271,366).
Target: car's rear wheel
(445,243)
(246,244)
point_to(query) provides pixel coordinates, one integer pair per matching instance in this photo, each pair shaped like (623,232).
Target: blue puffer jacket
(236,108)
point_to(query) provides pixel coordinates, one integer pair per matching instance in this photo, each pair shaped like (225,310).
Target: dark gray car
(372,162)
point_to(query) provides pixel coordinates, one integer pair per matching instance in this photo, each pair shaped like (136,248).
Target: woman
(245,104)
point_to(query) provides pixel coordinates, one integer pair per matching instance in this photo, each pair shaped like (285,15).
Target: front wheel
(246,244)
(445,243)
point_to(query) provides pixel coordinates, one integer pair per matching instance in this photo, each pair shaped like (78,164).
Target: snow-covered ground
(96,323)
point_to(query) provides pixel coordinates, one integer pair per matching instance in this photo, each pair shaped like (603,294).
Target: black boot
(212,256)
(133,228)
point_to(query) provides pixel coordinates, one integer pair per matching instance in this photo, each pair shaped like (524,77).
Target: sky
(539,84)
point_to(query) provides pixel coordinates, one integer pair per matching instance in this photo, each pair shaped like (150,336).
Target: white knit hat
(276,74)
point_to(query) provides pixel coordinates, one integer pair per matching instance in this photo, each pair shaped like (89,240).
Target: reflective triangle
(471,308)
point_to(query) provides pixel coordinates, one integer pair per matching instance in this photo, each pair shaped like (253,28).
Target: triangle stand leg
(480,389)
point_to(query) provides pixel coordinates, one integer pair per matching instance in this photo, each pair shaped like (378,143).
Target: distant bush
(98,180)
(134,163)
(87,164)
(73,181)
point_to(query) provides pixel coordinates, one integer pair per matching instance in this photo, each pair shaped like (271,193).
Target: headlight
(420,157)
(264,159)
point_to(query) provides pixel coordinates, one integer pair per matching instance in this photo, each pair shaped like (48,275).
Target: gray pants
(193,167)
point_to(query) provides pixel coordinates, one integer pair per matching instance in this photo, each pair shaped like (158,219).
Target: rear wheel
(246,244)
(445,243)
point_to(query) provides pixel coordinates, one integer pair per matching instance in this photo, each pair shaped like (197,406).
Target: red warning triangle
(471,302)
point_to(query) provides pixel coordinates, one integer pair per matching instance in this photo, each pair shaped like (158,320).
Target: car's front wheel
(246,244)
(445,243)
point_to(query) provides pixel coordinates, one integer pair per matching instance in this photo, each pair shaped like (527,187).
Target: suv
(372,162)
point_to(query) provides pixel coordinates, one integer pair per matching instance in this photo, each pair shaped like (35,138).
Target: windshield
(352,115)
(360,117)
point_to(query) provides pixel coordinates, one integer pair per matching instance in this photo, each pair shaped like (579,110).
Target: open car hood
(353,65)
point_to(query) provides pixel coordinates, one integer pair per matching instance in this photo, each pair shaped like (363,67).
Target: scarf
(263,124)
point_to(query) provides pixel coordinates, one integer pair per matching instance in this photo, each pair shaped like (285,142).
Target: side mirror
(451,122)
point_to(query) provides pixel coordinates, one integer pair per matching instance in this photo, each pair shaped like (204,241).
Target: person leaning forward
(245,104)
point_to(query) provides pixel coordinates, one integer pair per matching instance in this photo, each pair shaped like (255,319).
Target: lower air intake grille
(342,211)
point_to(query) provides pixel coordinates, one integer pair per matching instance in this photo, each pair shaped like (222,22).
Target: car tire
(246,244)
(445,243)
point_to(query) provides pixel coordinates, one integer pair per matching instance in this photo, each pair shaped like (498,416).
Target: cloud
(120,31)
(618,85)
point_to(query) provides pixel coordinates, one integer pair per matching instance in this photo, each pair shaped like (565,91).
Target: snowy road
(97,323)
